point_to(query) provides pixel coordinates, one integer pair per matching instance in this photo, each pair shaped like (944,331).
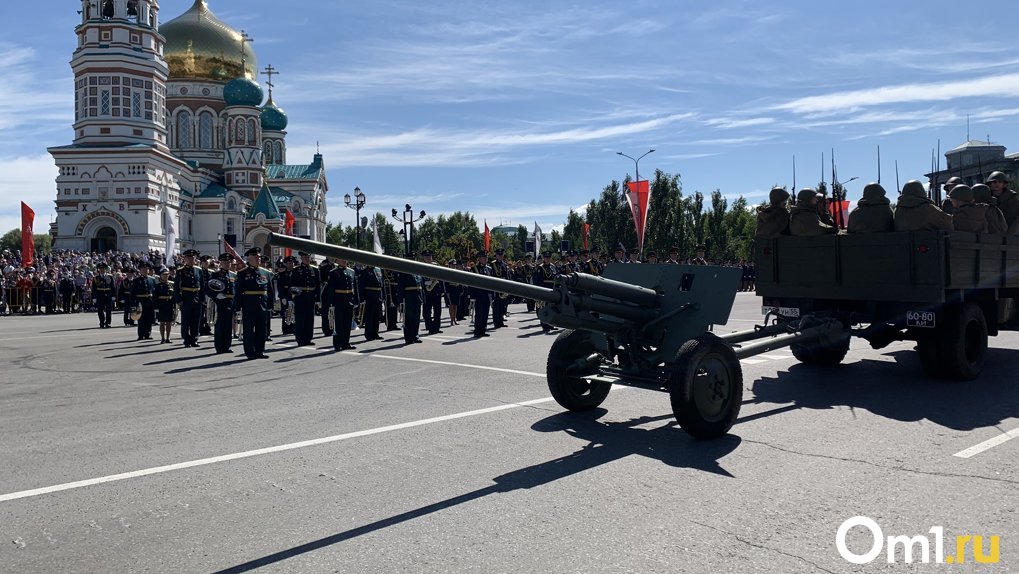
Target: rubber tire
(963,343)
(688,377)
(820,355)
(571,393)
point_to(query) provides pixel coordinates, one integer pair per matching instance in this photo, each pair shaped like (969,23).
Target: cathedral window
(205,132)
(230,225)
(240,132)
(136,105)
(107,9)
(252,132)
(105,103)
(277,153)
(132,7)
(184,130)
(267,154)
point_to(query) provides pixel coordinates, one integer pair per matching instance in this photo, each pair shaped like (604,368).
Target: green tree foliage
(12,240)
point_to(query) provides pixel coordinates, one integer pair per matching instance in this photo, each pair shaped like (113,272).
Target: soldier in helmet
(946,204)
(916,212)
(996,223)
(967,215)
(1008,201)
(773,219)
(805,219)
(873,213)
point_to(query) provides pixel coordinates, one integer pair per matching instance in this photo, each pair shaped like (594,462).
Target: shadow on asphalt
(209,366)
(899,390)
(606,443)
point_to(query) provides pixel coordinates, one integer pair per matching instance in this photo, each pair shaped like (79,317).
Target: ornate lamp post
(408,220)
(356,205)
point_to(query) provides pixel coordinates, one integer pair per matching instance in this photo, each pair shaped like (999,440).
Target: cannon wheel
(820,353)
(957,349)
(706,387)
(573,393)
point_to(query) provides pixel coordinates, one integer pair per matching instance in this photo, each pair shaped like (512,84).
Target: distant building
(974,160)
(169,123)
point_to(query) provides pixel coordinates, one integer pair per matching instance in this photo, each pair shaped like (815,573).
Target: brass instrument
(291,314)
(136,312)
(332,318)
(431,284)
(360,315)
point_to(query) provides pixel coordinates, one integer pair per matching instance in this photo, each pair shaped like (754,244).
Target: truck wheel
(963,343)
(571,392)
(821,353)
(706,387)
(928,350)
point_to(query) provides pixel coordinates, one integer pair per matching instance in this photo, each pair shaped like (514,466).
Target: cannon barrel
(412,267)
(615,289)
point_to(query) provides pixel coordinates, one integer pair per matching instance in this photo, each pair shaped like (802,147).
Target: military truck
(947,291)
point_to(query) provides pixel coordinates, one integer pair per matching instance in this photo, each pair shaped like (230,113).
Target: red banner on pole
(229,249)
(488,237)
(288,228)
(638,198)
(27,236)
(587,231)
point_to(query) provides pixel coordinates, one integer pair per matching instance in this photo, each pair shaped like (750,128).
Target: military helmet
(954,180)
(996,176)
(778,195)
(961,193)
(982,193)
(914,188)
(873,191)
(806,194)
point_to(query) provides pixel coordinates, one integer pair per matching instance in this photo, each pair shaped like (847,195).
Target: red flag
(488,236)
(232,251)
(638,197)
(27,236)
(288,227)
(587,230)
(843,206)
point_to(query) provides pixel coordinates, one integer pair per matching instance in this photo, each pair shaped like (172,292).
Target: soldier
(304,285)
(252,299)
(544,276)
(220,288)
(370,285)
(916,212)
(773,219)
(189,286)
(1008,201)
(674,256)
(996,223)
(525,274)
(124,296)
(806,219)
(482,297)
(323,277)
(102,295)
(341,298)
(163,299)
(699,259)
(67,292)
(453,293)
(500,304)
(391,299)
(410,291)
(617,254)
(652,257)
(634,256)
(946,204)
(873,213)
(141,294)
(266,265)
(283,288)
(205,262)
(434,293)
(967,216)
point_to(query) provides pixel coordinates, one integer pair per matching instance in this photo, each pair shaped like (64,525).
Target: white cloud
(30,179)
(26,99)
(730,123)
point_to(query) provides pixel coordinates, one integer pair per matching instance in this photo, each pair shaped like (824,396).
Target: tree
(11,240)
(574,230)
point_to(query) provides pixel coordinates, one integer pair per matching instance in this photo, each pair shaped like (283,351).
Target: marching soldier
(102,295)
(699,259)
(544,276)
(304,285)
(370,285)
(341,299)
(220,288)
(500,304)
(205,261)
(410,291)
(482,297)
(283,288)
(124,296)
(141,294)
(163,299)
(252,298)
(435,291)
(453,293)
(266,265)
(391,299)
(525,274)
(189,287)
(323,277)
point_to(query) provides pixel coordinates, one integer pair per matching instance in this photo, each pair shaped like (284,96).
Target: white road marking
(988,444)
(261,451)
(753,361)
(775,357)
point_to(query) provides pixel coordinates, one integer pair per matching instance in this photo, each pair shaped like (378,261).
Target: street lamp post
(408,220)
(356,205)
(636,163)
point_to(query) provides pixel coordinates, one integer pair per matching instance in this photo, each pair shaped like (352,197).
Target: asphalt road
(449,456)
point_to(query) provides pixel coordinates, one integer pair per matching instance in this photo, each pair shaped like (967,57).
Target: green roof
(265,205)
(308,171)
(213,190)
(280,195)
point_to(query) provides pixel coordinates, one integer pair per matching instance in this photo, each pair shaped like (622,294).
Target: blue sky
(514,110)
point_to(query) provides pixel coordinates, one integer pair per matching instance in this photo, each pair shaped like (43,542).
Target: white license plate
(921,319)
(783,311)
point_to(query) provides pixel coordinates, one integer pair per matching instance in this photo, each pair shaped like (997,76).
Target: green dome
(243,92)
(273,117)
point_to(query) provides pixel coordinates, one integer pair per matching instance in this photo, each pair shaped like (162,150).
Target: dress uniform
(283,288)
(102,295)
(222,332)
(252,298)
(500,302)
(391,302)
(434,292)
(410,291)
(205,328)
(189,285)
(163,299)
(141,294)
(125,297)
(304,285)
(544,276)
(482,297)
(369,286)
(340,295)
(323,277)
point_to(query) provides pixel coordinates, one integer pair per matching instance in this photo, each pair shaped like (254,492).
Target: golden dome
(200,46)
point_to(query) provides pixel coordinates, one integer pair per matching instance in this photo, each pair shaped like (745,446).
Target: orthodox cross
(270,72)
(244,40)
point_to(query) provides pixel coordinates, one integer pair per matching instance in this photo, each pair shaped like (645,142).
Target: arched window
(267,154)
(108,9)
(252,132)
(184,130)
(205,132)
(277,153)
(231,205)
(240,132)
(132,7)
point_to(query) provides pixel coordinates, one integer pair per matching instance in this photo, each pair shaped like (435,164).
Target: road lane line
(753,361)
(261,451)
(465,365)
(988,444)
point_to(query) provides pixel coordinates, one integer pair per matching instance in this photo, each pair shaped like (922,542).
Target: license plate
(782,311)
(921,319)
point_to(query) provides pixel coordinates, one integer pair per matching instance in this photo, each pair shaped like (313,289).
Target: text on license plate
(924,319)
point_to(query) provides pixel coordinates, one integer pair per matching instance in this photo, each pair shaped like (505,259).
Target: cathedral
(172,128)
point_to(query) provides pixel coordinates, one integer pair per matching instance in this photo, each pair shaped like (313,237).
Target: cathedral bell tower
(119,75)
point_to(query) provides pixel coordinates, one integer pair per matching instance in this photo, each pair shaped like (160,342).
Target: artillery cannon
(638,325)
